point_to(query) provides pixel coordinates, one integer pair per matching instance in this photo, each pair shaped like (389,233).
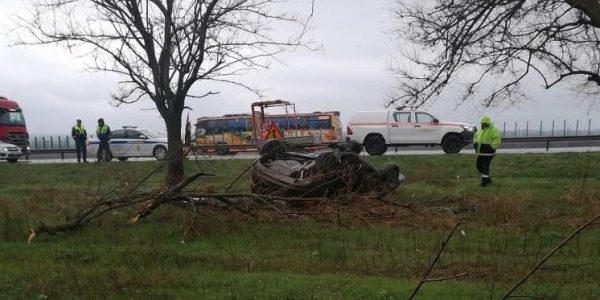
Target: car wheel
(375,145)
(272,149)
(222,149)
(354,147)
(122,158)
(160,152)
(452,144)
(12,160)
(390,174)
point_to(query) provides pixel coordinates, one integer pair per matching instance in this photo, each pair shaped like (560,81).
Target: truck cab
(12,125)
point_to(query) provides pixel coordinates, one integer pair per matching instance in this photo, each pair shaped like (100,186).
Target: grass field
(534,202)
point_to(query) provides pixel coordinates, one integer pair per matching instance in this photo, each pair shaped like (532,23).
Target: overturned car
(336,173)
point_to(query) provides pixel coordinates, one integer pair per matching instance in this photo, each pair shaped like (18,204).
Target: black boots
(485,181)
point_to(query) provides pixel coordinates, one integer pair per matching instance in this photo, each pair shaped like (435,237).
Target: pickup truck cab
(377,130)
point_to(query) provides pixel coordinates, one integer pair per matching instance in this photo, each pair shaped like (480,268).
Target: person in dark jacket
(79,134)
(486,141)
(103,133)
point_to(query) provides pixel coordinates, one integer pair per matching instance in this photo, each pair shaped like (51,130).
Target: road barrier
(549,139)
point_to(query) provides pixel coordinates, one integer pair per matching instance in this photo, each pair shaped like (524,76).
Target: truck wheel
(375,145)
(160,152)
(12,160)
(452,144)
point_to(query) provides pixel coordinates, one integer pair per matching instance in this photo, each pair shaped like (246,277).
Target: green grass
(535,200)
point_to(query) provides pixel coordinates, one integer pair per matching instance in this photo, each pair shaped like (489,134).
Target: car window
(117,134)
(134,134)
(424,118)
(151,134)
(402,117)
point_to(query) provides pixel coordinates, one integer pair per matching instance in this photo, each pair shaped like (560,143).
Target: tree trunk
(175,169)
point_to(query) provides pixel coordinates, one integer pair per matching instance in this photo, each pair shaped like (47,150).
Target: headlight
(5,149)
(468,127)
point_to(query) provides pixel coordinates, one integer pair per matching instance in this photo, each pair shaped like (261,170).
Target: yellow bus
(233,133)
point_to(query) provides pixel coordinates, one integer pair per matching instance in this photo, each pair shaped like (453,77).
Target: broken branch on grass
(435,259)
(447,277)
(556,248)
(170,195)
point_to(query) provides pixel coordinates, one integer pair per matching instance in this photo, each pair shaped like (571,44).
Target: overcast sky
(349,73)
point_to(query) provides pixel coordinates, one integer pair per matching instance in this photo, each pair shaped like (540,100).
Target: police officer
(486,141)
(103,133)
(79,134)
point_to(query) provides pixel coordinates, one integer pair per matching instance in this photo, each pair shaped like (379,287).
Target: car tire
(354,147)
(160,152)
(12,160)
(272,149)
(390,174)
(375,145)
(221,149)
(122,158)
(452,144)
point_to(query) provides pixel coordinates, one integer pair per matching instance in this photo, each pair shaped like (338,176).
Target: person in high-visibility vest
(103,133)
(79,134)
(486,141)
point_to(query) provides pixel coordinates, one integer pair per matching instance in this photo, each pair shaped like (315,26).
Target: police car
(131,141)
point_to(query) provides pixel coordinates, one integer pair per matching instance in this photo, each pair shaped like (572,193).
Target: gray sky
(350,73)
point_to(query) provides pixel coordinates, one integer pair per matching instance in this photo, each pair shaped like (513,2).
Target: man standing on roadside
(103,133)
(486,141)
(79,134)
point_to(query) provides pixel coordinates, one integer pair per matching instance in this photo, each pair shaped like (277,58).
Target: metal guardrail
(52,151)
(549,139)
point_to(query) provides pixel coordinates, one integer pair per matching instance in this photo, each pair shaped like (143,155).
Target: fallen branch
(447,277)
(437,256)
(153,201)
(556,248)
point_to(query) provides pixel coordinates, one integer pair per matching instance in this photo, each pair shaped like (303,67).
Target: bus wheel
(222,149)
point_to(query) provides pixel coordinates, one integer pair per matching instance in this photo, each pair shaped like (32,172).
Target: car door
(135,141)
(401,128)
(118,143)
(428,131)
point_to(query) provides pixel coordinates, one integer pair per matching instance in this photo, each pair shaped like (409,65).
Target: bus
(233,133)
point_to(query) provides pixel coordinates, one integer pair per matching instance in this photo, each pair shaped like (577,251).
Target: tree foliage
(494,46)
(162,48)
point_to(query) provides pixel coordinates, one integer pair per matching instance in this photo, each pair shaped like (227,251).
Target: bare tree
(163,47)
(493,46)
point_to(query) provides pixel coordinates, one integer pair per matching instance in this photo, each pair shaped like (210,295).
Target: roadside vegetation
(535,201)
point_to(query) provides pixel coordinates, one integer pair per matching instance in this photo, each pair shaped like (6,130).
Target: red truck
(12,125)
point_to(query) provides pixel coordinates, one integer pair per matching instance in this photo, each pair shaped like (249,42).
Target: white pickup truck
(377,130)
